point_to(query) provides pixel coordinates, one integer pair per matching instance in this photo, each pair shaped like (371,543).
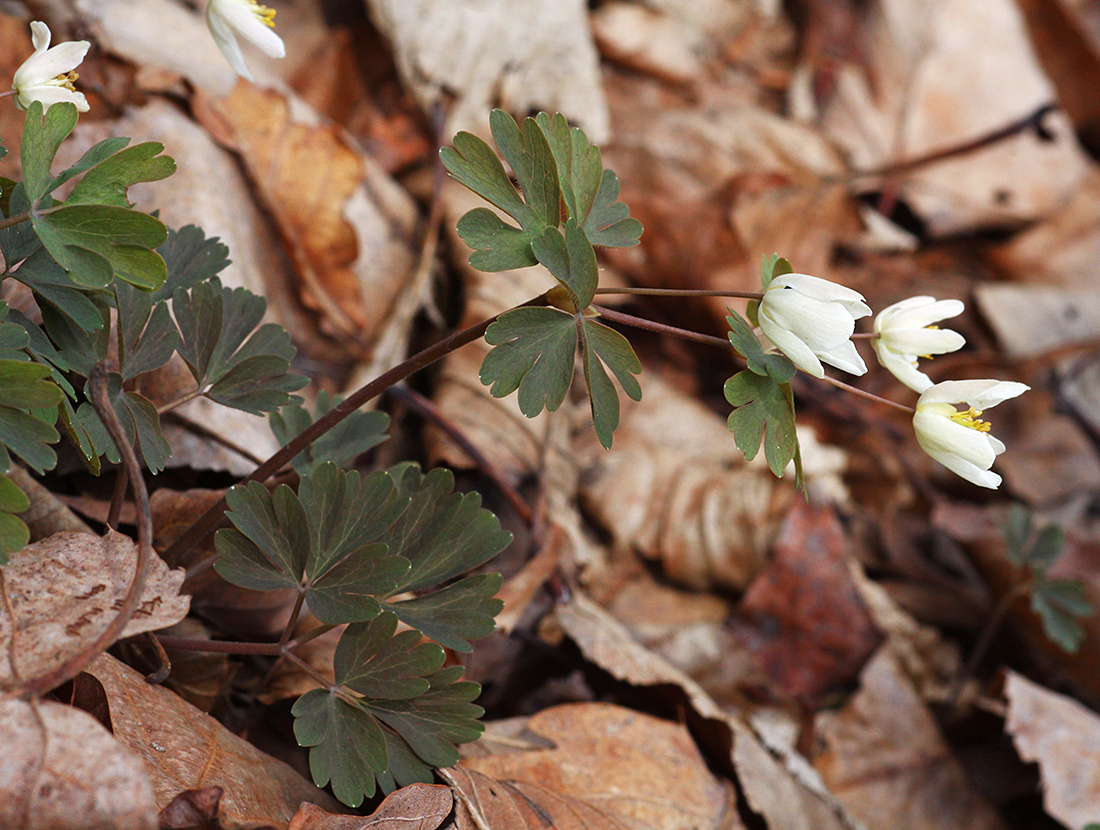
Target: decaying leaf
(60,593)
(184,749)
(415,807)
(1060,735)
(61,769)
(910,784)
(628,764)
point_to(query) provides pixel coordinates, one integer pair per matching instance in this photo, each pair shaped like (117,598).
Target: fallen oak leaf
(415,807)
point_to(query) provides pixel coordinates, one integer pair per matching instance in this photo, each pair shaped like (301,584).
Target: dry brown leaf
(1063,737)
(483,802)
(349,228)
(632,765)
(415,807)
(192,809)
(777,782)
(676,489)
(61,769)
(521,56)
(61,593)
(184,749)
(803,617)
(910,784)
(648,41)
(939,74)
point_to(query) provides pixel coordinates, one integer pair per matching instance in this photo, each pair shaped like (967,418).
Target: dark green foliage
(342,444)
(139,419)
(776,366)
(763,411)
(14,534)
(356,547)
(235,360)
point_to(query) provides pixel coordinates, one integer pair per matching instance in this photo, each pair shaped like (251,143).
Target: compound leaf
(778,367)
(601,345)
(534,350)
(271,542)
(763,412)
(190,258)
(578,161)
(342,444)
(525,149)
(109,175)
(374,660)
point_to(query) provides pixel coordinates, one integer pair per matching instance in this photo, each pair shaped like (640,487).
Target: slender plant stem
(217,646)
(312,634)
(292,620)
(190,396)
(855,390)
(23,217)
(97,389)
(207,521)
(681,292)
(323,681)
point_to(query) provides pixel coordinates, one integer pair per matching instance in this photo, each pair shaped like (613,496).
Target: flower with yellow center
(47,76)
(905,332)
(250,20)
(960,440)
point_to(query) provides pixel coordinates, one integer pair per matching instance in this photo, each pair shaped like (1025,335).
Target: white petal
(845,357)
(799,353)
(922,341)
(40,36)
(240,16)
(819,289)
(821,325)
(60,60)
(943,439)
(980,394)
(227,41)
(51,94)
(901,367)
(919,316)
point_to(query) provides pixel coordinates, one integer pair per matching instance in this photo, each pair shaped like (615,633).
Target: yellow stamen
(263,13)
(971,420)
(67,81)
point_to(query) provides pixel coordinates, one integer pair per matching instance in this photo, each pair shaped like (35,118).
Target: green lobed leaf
(534,352)
(341,445)
(14,534)
(139,420)
(28,436)
(251,375)
(97,154)
(572,261)
(190,258)
(454,615)
(42,136)
(578,161)
(146,331)
(609,223)
(442,533)
(1049,543)
(374,660)
(763,412)
(601,346)
(1059,604)
(96,243)
(773,266)
(473,163)
(404,767)
(347,747)
(106,181)
(777,366)
(497,245)
(525,149)
(435,721)
(270,544)
(52,285)
(79,349)
(24,385)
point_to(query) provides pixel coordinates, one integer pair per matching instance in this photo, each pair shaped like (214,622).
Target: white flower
(810,319)
(48,75)
(250,20)
(959,440)
(905,332)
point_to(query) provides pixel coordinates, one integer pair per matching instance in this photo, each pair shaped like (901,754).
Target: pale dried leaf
(61,769)
(648,41)
(61,593)
(415,807)
(943,73)
(522,56)
(484,803)
(184,749)
(1032,319)
(1062,736)
(910,784)
(632,765)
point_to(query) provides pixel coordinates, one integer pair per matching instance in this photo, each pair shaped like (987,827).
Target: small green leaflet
(190,258)
(235,360)
(1059,604)
(392,712)
(14,534)
(341,445)
(27,389)
(147,335)
(763,411)
(776,366)
(139,419)
(323,542)
(534,351)
(772,266)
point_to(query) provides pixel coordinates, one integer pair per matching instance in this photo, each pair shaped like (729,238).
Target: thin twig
(97,393)
(681,292)
(217,646)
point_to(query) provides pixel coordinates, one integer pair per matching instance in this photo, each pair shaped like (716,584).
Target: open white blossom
(905,332)
(250,20)
(47,75)
(959,439)
(812,320)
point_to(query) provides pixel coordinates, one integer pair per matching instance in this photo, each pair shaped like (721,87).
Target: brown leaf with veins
(61,593)
(61,769)
(415,807)
(631,767)
(184,749)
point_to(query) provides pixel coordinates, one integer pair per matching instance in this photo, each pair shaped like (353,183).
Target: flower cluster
(812,320)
